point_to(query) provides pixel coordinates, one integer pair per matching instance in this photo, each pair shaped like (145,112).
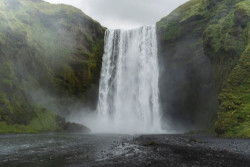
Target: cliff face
(204,52)
(48,54)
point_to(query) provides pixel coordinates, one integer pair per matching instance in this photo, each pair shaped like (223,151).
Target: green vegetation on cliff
(218,30)
(53,49)
(43,121)
(234,112)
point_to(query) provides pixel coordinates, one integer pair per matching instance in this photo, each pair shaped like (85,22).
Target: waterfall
(128,91)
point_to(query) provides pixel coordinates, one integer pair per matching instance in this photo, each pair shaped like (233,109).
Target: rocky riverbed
(77,150)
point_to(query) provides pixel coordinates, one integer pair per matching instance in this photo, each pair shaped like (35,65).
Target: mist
(128,91)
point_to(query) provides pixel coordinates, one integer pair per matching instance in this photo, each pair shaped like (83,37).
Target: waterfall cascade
(128,92)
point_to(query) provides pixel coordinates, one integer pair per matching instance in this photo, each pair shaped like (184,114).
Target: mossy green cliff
(47,52)
(202,35)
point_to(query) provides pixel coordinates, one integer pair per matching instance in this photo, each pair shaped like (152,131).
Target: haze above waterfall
(124,14)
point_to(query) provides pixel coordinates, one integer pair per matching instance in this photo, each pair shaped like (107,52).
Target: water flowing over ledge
(128,92)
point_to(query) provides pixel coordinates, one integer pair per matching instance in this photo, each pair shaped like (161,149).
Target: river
(80,150)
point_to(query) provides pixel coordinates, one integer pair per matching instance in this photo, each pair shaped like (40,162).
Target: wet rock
(152,143)
(192,140)
(74,127)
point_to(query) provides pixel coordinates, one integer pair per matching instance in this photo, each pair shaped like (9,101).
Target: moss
(218,30)
(185,65)
(234,112)
(224,43)
(45,47)
(195,8)
(43,122)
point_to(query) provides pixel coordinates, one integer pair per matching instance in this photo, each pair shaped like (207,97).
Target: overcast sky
(124,14)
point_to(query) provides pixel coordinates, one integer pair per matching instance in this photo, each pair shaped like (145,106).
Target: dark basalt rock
(74,127)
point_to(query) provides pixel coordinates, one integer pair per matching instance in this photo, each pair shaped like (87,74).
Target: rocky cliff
(49,54)
(204,52)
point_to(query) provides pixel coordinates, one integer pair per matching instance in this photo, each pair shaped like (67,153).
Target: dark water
(60,149)
(102,150)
